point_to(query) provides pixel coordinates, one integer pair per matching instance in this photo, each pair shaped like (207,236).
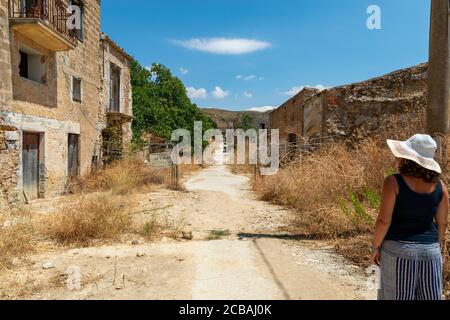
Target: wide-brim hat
(420,148)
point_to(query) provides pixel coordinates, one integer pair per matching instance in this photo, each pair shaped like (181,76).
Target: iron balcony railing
(53,12)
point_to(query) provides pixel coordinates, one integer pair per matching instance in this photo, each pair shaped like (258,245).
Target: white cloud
(248,95)
(219,93)
(262,109)
(294,90)
(249,78)
(184,70)
(232,46)
(194,93)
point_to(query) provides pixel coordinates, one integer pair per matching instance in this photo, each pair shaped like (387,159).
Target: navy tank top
(414,213)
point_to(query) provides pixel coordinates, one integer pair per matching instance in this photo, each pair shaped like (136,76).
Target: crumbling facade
(364,108)
(55,94)
(288,118)
(356,110)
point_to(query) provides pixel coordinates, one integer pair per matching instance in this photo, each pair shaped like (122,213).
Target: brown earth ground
(240,249)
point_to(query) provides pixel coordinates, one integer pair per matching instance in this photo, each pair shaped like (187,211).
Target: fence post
(174,176)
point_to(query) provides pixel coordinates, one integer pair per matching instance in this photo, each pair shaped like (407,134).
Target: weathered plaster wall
(314,116)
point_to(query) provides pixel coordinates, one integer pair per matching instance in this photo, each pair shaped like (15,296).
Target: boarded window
(76,89)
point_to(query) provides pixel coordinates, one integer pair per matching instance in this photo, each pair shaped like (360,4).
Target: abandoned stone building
(63,91)
(288,118)
(350,111)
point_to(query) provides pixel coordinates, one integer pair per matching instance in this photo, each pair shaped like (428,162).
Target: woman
(412,224)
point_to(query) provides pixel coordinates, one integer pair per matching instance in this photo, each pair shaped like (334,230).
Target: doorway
(115,89)
(30,165)
(73,156)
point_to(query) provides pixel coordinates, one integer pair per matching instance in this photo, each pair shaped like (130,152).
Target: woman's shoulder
(391,183)
(391,180)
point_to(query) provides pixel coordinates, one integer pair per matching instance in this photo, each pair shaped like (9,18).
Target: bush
(335,191)
(120,177)
(93,217)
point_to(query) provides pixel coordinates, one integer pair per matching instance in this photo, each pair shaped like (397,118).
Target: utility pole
(438,111)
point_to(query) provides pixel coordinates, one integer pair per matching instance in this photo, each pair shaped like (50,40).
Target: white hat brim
(401,150)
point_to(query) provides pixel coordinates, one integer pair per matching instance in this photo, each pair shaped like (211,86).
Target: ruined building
(288,117)
(64,95)
(354,110)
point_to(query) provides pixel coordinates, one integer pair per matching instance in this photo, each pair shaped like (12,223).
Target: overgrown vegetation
(160,103)
(121,177)
(91,217)
(336,191)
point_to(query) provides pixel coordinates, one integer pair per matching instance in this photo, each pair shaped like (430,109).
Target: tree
(246,122)
(160,103)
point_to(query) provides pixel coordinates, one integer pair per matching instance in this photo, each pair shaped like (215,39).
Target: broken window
(23,66)
(31,65)
(76,89)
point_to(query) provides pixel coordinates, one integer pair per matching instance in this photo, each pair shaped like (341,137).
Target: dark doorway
(293,139)
(73,157)
(30,165)
(115,89)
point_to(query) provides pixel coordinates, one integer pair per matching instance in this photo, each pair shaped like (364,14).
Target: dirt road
(238,251)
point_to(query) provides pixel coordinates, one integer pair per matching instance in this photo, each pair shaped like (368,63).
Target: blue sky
(241,54)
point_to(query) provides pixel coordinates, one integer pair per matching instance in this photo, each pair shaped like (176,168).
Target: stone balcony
(43,21)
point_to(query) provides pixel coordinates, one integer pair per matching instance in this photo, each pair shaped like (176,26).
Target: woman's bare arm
(386,210)
(442,215)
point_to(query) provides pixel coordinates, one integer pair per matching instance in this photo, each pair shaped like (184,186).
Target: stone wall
(288,118)
(365,108)
(5,60)
(9,164)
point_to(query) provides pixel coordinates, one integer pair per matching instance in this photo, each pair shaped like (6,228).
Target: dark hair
(412,169)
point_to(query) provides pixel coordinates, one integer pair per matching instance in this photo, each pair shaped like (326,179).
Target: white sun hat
(420,148)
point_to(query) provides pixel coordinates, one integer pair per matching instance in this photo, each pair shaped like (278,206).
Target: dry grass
(121,177)
(336,191)
(15,241)
(16,235)
(91,217)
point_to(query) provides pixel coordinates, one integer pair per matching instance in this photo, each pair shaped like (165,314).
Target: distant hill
(223,118)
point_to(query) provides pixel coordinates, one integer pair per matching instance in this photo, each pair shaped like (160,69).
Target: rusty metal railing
(55,12)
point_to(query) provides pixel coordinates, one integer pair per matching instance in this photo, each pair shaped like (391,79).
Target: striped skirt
(410,271)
